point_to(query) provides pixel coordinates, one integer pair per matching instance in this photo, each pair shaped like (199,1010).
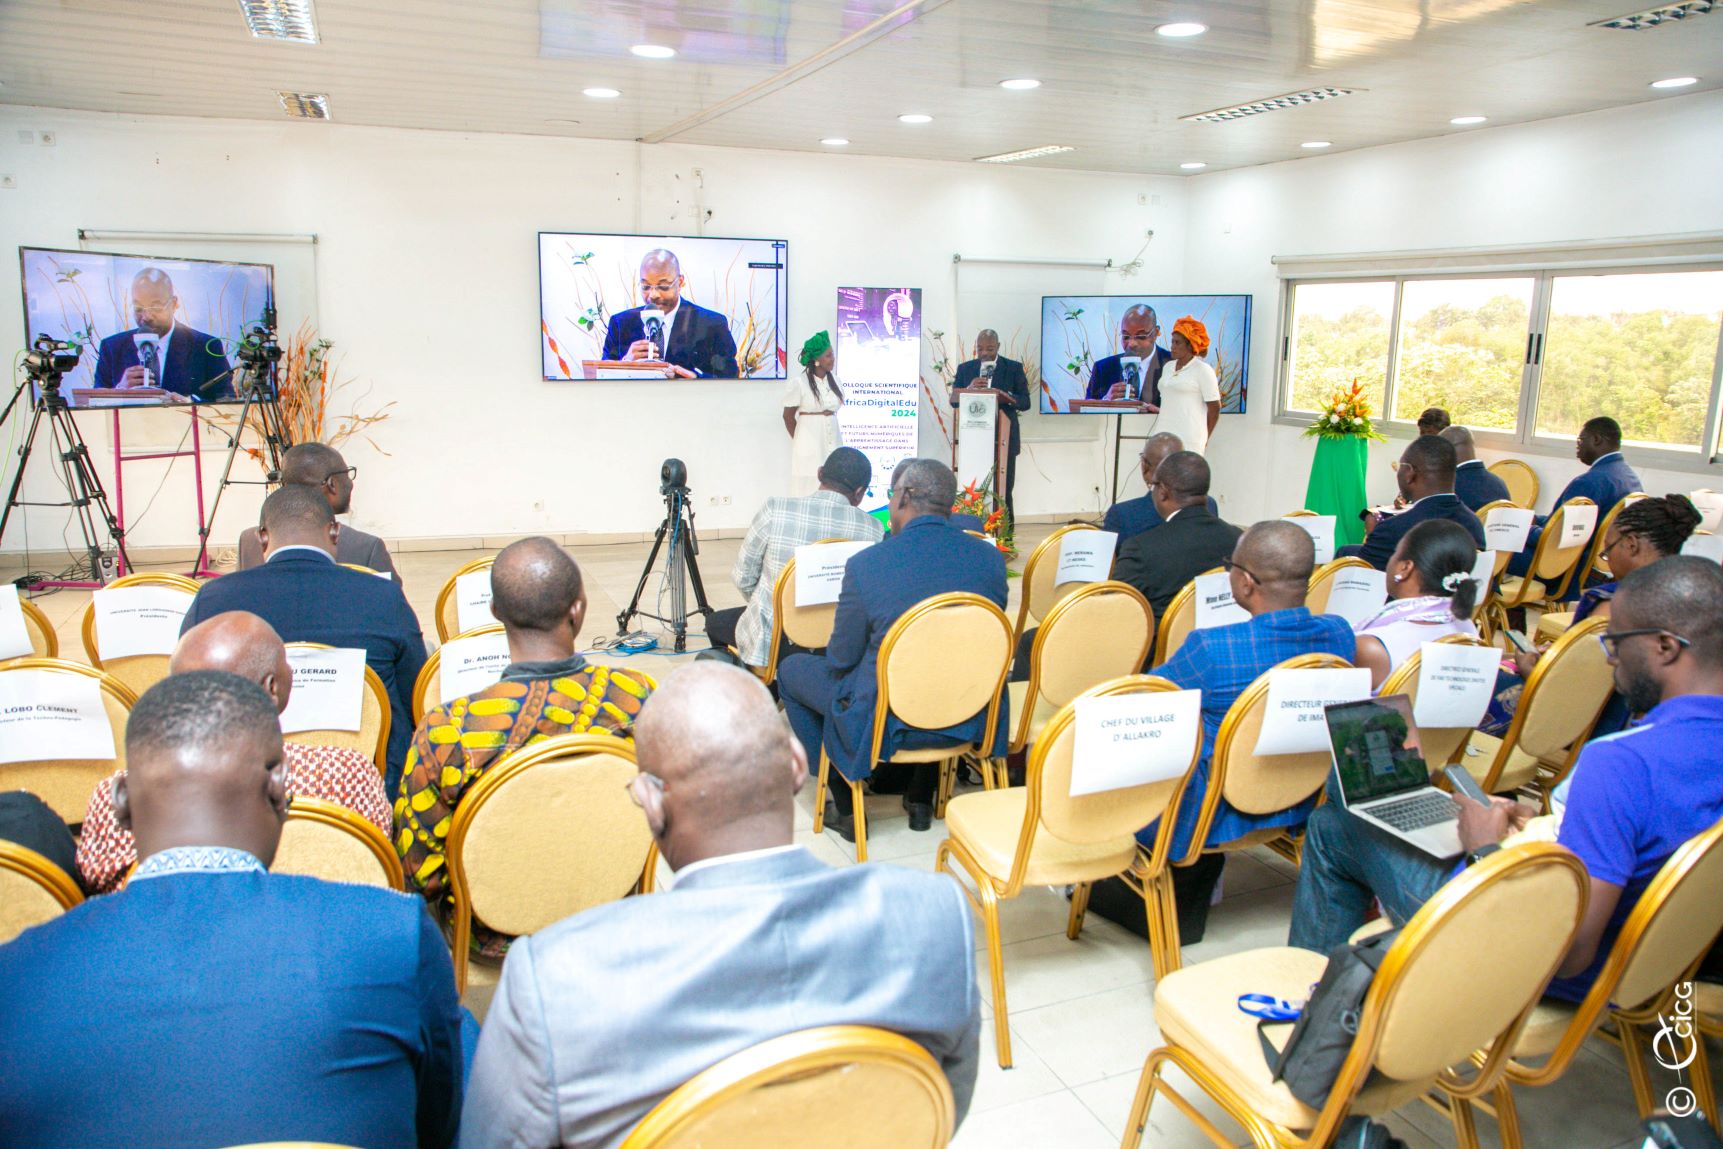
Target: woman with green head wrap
(811,402)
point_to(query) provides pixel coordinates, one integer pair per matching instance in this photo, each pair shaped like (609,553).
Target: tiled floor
(1081,1012)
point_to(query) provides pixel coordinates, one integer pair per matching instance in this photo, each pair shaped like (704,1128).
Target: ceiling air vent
(1272,104)
(280,20)
(305,106)
(1652,17)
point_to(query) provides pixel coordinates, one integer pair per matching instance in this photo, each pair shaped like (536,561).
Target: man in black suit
(1138,330)
(1473,481)
(160,352)
(1008,380)
(1190,540)
(695,342)
(1426,479)
(301,592)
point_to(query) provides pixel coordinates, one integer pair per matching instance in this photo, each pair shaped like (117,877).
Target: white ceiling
(787,73)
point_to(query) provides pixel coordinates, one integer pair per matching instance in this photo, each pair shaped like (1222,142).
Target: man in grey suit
(315,465)
(602,1015)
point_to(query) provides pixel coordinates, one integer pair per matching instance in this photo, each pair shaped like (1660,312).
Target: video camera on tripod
(48,359)
(258,352)
(678,527)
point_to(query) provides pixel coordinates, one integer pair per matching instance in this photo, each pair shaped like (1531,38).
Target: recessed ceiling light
(835,142)
(305,105)
(601,93)
(1315,144)
(1193,165)
(653,51)
(1675,82)
(1467,121)
(280,20)
(1271,104)
(1023,84)
(914,118)
(1025,154)
(1181,29)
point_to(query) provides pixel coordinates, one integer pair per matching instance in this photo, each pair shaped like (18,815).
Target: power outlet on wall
(718,500)
(8,183)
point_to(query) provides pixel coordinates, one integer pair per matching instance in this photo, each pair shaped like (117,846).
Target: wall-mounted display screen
(1115,347)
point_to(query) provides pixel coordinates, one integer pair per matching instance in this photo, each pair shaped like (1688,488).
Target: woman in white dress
(811,403)
(1190,393)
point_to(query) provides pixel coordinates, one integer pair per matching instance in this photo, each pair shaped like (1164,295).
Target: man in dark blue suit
(1473,482)
(1606,481)
(1138,330)
(695,342)
(829,698)
(210,1002)
(1007,377)
(301,592)
(1426,479)
(1131,517)
(181,360)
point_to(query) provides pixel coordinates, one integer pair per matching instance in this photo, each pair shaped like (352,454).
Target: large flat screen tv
(1082,342)
(711,308)
(149,330)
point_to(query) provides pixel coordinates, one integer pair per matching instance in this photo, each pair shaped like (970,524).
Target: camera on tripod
(259,350)
(48,359)
(673,477)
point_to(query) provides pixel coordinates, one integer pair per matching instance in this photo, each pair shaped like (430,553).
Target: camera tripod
(678,524)
(257,384)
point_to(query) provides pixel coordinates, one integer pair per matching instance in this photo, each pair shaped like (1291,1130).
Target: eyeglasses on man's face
(1228,565)
(1611,640)
(351,473)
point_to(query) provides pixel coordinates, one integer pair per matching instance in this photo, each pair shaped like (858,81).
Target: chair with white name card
(32,890)
(1552,568)
(1596,564)
(325,840)
(427,688)
(1322,581)
(1178,622)
(1441,745)
(809,627)
(138,671)
(1038,834)
(448,609)
(44,642)
(1489,616)
(65,783)
(372,737)
(1040,592)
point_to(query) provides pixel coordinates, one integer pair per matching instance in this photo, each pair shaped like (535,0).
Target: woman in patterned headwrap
(1190,393)
(811,405)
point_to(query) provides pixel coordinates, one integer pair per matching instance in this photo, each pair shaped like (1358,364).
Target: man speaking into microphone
(1006,376)
(160,352)
(695,342)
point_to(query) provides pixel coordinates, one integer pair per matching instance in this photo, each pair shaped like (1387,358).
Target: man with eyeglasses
(1630,802)
(1425,476)
(1138,329)
(1188,539)
(161,351)
(316,465)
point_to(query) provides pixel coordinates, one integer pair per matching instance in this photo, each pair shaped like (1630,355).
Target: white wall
(1650,169)
(428,286)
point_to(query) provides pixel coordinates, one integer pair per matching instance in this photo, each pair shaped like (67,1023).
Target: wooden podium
(624,369)
(93,398)
(1113,406)
(979,450)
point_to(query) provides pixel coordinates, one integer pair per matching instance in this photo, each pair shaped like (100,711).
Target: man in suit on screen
(1138,330)
(161,352)
(695,342)
(1006,376)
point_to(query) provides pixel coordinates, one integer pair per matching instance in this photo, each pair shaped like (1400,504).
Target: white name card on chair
(46,715)
(1085,556)
(1576,525)
(1705,546)
(1455,685)
(468,665)
(820,571)
(473,600)
(1507,528)
(1214,602)
(1321,530)
(1482,572)
(1357,594)
(1709,504)
(14,635)
(1293,723)
(328,690)
(1134,739)
(132,620)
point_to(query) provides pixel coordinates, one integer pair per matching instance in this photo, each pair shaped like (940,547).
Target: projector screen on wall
(149,330)
(712,308)
(1083,353)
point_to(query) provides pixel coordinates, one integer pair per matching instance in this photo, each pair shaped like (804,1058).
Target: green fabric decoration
(1337,485)
(817,345)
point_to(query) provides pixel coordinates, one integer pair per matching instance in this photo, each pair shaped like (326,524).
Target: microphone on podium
(653,320)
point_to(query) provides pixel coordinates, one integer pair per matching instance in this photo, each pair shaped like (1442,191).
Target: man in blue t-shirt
(1634,797)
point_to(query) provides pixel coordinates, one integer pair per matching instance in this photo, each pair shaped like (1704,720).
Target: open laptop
(1383,779)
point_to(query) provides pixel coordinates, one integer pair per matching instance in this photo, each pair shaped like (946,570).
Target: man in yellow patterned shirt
(546,690)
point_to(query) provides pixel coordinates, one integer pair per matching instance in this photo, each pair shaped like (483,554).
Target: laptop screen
(1376,748)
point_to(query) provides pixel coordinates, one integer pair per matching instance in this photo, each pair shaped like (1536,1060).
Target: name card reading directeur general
(1134,739)
(473,601)
(1085,556)
(133,620)
(14,635)
(1506,529)
(468,665)
(820,571)
(1357,594)
(1293,722)
(1214,602)
(1455,684)
(47,715)
(328,689)
(1321,531)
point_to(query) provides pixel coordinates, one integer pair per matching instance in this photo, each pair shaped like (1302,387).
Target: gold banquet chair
(1552,568)
(557,807)
(1494,935)
(1037,834)
(806,626)
(33,890)
(1553,623)
(1662,941)
(1491,621)
(940,664)
(326,840)
(1178,622)
(864,1088)
(139,672)
(1096,633)
(372,737)
(1521,480)
(1559,704)
(1441,745)
(1040,592)
(447,609)
(427,688)
(1322,582)
(65,783)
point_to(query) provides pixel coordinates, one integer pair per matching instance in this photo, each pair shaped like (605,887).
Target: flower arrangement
(996,524)
(1345,415)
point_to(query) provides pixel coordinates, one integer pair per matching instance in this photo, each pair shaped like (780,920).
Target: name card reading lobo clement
(328,689)
(47,715)
(1293,721)
(1134,739)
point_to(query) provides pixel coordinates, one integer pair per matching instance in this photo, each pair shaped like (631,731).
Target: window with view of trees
(1640,346)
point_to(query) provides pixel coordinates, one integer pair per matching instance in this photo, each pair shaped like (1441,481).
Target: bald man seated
(305,596)
(322,468)
(1131,517)
(600,1016)
(213,1003)
(695,342)
(1475,484)
(243,644)
(546,690)
(161,351)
